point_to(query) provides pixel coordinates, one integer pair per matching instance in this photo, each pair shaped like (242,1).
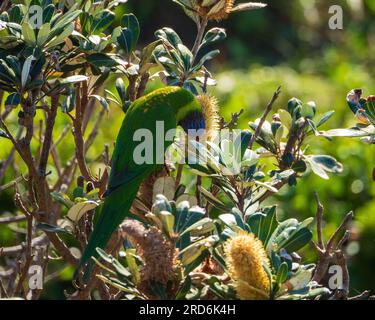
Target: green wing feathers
(115,208)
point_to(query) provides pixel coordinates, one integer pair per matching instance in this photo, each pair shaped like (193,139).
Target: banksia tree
(198,230)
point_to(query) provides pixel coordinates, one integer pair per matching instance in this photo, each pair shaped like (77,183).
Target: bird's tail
(114,210)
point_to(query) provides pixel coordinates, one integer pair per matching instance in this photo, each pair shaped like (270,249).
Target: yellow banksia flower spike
(245,256)
(210,109)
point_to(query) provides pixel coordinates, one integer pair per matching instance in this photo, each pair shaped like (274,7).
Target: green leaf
(186,56)
(281,232)
(213,200)
(125,40)
(48,12)
(264,224)
(196,249)
(62,199)
(165,186)
(212,36)
(26,70)
(50,228)
(201,227)
(73,79)
(101,60)
(208,56)
(290,235)
(350,133)
(120,87)
(321,164)
(282,273)
(130,22)
(297,240)
(3,134)
(61,37)
(102,21)
(76,212)
(63,21)
(308,110)
(13,100)
(299,166)
(43,34)
(167,220)
(186,217)
(146,56)
(325,118)
(286,118)
(101,100)
(184,289)
(169,35)
(7,74)
(16,14)
(28,34)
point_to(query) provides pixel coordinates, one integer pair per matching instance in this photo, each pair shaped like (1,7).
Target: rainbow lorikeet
(171,105)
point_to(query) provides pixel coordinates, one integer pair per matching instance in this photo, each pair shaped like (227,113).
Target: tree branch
(264,116)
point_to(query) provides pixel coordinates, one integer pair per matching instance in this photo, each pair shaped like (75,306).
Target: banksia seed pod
(245,256)
(159,255)
(220,9)
(210,109)
(215,9)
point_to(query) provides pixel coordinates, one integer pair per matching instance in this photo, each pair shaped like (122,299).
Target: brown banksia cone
(161,265)
(220,9)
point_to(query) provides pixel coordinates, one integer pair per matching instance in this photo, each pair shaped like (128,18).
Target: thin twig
(50,123)
(340,229)
(28,251)
(264,116)
(201,29)
(13,219)
(319,218)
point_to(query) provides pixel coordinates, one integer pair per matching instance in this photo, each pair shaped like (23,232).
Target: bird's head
(195,113)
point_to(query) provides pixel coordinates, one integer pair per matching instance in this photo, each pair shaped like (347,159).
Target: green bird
(171,105)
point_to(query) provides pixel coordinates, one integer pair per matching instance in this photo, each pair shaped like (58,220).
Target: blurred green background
(290,44)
